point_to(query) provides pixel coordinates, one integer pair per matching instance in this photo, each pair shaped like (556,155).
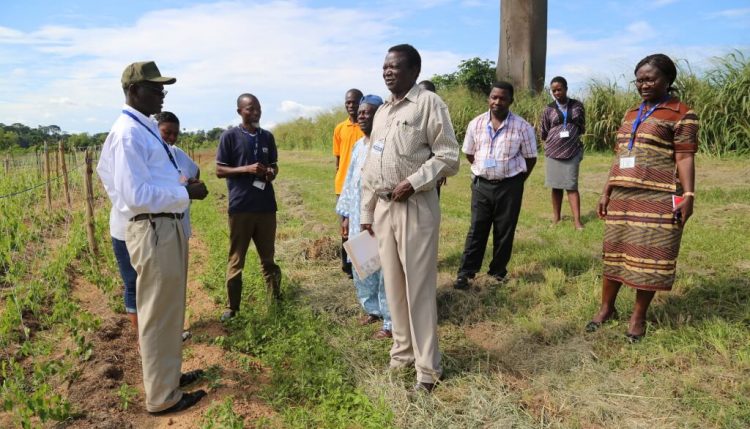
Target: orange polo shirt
(344,136)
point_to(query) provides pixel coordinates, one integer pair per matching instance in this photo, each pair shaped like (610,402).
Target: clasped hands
(196,189)
(261,170)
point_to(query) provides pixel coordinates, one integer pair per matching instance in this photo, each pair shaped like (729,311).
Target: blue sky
(61,61)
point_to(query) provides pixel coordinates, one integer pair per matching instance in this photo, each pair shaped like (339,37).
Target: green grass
(514,356)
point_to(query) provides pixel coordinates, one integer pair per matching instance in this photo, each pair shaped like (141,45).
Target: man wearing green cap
(149,195)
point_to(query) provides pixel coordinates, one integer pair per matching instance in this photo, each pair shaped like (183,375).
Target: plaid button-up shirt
(507,146)
(404,136)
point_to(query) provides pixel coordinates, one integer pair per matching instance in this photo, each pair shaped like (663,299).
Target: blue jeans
(371,294)
(127,273)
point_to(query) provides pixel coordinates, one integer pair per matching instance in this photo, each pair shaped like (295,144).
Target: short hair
(411,54)
(167,117)
(245,95)
(356,92)
(559,79)
(663,63)
(428,85)
(501,84)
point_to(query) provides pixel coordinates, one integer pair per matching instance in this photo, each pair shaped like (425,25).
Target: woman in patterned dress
(654,163)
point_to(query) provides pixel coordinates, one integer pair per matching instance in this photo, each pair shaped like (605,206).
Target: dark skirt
(641,239)
(562,173)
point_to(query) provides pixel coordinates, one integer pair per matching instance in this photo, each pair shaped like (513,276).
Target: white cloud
(295,109)
(731,13)
(661,3)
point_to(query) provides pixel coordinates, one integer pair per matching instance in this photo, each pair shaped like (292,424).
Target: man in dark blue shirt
(247,158)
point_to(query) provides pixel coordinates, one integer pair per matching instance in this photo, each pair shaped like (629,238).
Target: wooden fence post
(90,203)
(57,169)
(7,165)
(64,167)
(48,185)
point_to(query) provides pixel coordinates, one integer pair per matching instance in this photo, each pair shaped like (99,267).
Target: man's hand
(367,227)
(196,189)
(345,227)
(256,169)
(270,174)
(442,182)
(402,191)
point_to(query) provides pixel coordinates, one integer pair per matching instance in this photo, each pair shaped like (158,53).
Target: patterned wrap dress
(641,236)
(370,290)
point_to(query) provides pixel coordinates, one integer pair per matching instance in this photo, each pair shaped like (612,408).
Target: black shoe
(191,377)
(461,283)
(633,338)
(186,335)
(187,401)
(593,326)
(499,278)
(228,315)
(421,387)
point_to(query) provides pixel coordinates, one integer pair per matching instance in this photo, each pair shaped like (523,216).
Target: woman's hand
(684,210)
(601,207)
(345,228)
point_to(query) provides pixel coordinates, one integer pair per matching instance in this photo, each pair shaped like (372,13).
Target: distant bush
(719,96)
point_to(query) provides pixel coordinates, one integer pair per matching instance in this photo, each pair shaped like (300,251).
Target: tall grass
(719,95)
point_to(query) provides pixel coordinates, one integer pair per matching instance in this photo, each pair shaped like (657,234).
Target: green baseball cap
(144,71)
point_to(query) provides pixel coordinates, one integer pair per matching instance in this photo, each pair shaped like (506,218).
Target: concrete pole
(523,43)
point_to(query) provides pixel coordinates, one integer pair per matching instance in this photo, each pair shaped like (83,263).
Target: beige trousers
(158,252)
(407,234)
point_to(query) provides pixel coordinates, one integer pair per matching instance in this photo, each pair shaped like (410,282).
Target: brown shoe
(369,319)
(425,388)
(382,334)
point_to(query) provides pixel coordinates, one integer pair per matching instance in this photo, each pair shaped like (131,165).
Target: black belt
(145,216)
(496,181)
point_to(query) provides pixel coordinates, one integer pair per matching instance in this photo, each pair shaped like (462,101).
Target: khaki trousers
(407,234)
(261,229)
(158,252)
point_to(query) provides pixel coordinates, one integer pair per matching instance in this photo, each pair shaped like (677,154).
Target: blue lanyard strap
(164,145)
(253,139)
(564,113)
(495,134)
(642,118)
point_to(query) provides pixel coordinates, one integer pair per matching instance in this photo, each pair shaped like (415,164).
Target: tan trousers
(407,234)
(158,252)
(261,229)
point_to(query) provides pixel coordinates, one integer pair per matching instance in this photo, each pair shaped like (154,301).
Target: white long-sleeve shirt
(137,174)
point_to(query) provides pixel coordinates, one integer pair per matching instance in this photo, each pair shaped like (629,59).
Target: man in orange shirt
(345,135)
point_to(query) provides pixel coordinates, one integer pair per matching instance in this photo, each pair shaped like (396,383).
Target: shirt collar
(507,118)
(412,95)
(672,104)
(139,115)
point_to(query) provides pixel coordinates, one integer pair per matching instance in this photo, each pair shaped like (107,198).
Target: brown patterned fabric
(673,127)
(557,147)
(641,239)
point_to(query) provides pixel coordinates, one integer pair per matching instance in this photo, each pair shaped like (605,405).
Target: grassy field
(515,355)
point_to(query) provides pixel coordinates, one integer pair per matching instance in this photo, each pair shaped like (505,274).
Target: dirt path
(97,392)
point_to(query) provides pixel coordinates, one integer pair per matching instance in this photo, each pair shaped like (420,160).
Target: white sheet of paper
(363,251)
(259,184)
(627,162)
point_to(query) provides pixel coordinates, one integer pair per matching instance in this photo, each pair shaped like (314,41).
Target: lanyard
(496,134)
(564,113)
(253,139)
(640,119)
(164,145)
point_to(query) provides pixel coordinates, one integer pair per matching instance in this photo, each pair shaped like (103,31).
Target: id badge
(259,184)
(627,162)
(490,162)
(378,146)
(564,134)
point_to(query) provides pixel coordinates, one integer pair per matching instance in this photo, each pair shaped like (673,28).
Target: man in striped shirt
(501,148)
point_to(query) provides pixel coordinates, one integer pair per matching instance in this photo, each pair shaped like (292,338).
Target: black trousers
(496,206)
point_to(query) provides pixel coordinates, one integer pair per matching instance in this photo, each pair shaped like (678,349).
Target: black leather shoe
(187,401)
(191,377)
(461,283)
(421,387)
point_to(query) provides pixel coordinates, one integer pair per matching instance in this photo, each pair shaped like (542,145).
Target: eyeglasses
(644,82)
(153,89)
